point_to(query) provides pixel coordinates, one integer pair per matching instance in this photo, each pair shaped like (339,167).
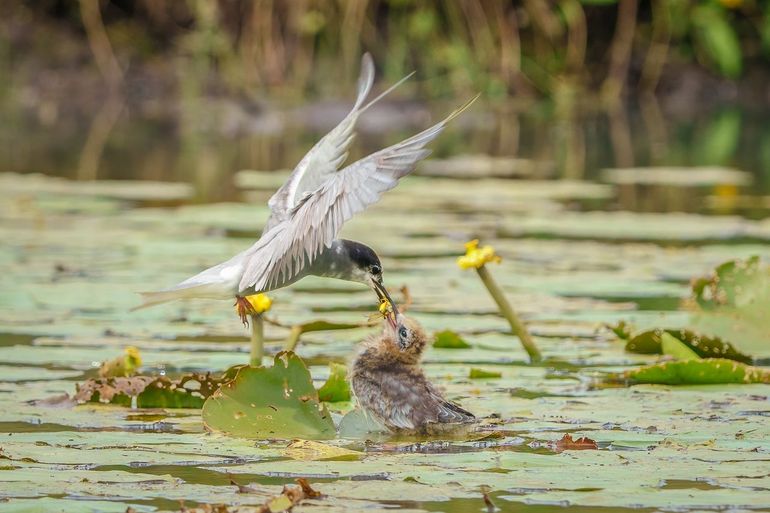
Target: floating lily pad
(449,339)
(270,402)
(483,374)
(709,371)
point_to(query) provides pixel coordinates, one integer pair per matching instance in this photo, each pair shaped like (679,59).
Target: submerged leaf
(709,371)
(336,389)
(189,391)
(449,339)
(270,402)
(483,374)
(308,450)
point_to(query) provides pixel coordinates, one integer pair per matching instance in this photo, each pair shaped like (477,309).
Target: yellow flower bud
(475,257)
(260,302)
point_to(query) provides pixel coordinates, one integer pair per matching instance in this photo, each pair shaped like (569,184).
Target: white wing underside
(315,221)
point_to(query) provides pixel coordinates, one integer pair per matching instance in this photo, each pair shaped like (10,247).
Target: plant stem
(518,327)
(293,339)
(257,340)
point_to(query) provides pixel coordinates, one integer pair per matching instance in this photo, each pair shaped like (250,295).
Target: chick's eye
(376,269)
(402,333)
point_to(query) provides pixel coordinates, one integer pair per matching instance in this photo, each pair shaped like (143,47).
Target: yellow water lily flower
(475,257)
(260,302)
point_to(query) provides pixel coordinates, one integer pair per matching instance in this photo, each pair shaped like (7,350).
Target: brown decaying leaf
(566,443)
(106,390)
(289,497)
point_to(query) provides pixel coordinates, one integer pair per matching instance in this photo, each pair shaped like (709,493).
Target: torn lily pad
(189,391)
(650,342)
(270,402)
(733,302)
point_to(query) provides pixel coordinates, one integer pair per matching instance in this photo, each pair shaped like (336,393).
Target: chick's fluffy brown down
(389,383)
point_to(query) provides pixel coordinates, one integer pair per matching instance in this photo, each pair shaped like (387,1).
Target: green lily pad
(733,302)
(709,371)
(270,402)
(449,339)
(736,283)
(483,374)
(336,389)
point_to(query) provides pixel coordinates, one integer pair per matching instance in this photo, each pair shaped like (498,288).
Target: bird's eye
(402,333)
(376,269)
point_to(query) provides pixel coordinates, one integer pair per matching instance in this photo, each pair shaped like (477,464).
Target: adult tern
(307,213)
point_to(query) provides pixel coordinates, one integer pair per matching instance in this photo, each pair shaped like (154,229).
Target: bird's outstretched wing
(328,154)
(317,219)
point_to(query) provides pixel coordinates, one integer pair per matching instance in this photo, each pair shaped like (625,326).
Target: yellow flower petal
(476,257)
(260,302)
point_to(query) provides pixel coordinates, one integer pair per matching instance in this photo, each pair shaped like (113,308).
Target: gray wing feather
(317,219)
(324,158)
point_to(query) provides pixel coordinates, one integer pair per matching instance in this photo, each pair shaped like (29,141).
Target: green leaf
(189,391)
(483,374)
(672,346)
(449,339)
(710,371)
(734,283)
(651,342)
(733,302)
(270,402)
(717,39)
(336,388)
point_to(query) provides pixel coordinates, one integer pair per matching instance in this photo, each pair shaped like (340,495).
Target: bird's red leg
(244,309)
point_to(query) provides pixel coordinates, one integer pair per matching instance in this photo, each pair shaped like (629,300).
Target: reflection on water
(207,143)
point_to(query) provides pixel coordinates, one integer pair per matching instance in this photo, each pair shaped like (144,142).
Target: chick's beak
(382,294)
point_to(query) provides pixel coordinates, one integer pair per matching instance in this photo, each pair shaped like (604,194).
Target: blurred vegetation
(529,48)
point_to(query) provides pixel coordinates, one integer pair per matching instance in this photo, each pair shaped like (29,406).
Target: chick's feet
(244,308)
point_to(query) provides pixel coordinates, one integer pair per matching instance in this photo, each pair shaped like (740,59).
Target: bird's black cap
(361,255)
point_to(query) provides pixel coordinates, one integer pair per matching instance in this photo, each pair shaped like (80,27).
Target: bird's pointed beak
(382,293)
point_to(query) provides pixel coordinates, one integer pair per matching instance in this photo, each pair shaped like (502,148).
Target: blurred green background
(196,90)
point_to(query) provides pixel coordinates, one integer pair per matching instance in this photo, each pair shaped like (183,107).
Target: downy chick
(389,383)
